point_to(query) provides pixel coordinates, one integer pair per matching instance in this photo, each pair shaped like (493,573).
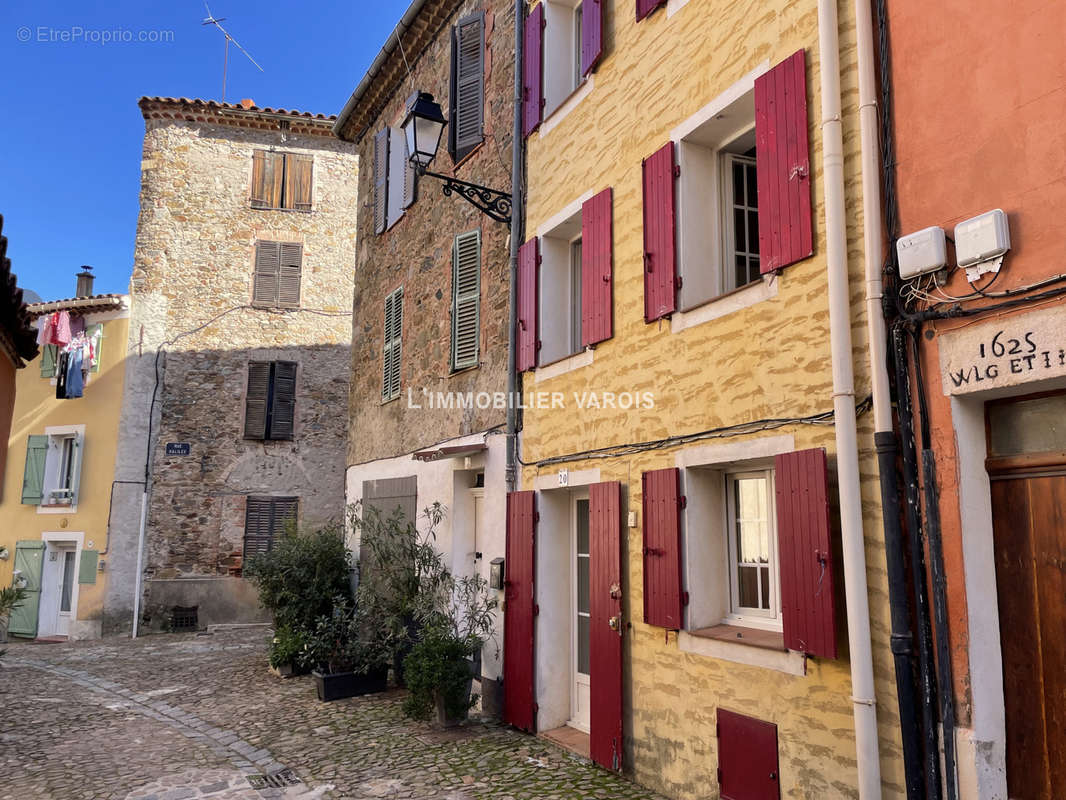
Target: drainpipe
(516,236)
(858,609)
(884,435)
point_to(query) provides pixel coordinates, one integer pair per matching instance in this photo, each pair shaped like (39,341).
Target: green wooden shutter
(87,566)
(289,270)
(75,477)
(33,477)
(267,268)
(29,561)
(49,356)
(255,404)
(89,333)
(283,403)
(469,84)
(466,299)
(392,347)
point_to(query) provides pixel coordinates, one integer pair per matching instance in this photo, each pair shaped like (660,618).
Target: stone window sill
(563,365)
(755,648)
(725,304)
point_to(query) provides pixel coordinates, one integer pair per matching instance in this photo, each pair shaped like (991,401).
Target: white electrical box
(921,252)
(982,238)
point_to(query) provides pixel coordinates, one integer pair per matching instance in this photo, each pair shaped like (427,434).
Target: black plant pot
(337,685)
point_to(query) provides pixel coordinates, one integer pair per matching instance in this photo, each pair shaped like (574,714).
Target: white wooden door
(58,589)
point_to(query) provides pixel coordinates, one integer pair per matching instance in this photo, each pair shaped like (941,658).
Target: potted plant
(349,654)
(286,651)
(457,616)
(11,597)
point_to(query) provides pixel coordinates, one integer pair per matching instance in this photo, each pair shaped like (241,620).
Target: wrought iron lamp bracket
(494,203)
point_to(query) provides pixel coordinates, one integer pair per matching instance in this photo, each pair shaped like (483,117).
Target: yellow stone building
(708,372)
(58,481)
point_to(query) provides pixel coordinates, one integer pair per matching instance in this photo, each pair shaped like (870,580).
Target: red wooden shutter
(605,604)
(747,758)
(783,164)
(804,553)
(660,263)
(533,71)
(662,547)
(591,34)
(528,259)
(596,269)
(519,610)
(645,7)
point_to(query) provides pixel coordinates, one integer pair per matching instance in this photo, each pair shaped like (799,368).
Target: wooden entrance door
(1029,534)
(605,623)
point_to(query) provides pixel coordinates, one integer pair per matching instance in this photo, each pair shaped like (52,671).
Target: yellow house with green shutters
(696,580)
(61,462)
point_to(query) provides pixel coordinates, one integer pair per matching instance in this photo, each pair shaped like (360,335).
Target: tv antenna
(212,20)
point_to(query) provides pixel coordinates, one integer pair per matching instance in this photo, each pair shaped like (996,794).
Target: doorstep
(570,739)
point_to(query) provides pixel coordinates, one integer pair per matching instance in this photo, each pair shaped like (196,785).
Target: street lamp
(422,128)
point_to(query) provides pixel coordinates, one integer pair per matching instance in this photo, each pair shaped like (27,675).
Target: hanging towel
(44,330)
(61,334)
(75,380)
(61,376)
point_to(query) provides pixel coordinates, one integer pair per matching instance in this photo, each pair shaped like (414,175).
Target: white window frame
(729,205)
(744,616)
(562,53)
(58,436)
(559,301)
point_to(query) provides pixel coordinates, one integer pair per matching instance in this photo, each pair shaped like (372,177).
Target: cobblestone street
(171,717)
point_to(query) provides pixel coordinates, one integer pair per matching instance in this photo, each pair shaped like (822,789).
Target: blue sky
(71,134)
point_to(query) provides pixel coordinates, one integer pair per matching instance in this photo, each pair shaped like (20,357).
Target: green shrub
(347,641)
(287,647)
(300,577)
(438,667)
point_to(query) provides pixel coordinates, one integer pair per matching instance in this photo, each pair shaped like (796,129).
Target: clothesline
(77,350)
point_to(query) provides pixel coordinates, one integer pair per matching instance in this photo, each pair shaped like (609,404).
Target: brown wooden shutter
(519,610)
(783,165)
(660,261)
(645,7)
(267,269)
(260,195)
(591,34)
(662,501)
(804,552)
(533,71)
(381,180)
(469,84)
(528,260)
(286,511)
(257,399)
(298,181)
(283,400)
(597,312)
(289,272)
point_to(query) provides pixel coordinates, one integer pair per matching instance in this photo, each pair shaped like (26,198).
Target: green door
(29,561)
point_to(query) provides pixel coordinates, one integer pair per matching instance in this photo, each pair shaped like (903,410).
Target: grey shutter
(469,84)
(381,179)
(408,177)
(388,494)
(285,513)
(49,357)
(267,267)
(466,299)
(257,526)
(33,476)
(391,349)
(283,403)
(289,275)
(255,404)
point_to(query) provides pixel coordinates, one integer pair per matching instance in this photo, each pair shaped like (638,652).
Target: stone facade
(194,330)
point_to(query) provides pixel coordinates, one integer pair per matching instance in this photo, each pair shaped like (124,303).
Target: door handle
(615,623)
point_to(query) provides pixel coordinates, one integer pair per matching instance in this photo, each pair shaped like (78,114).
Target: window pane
(753,231)
(764,577)
(582,511)
(738,183)
(750,197)
(1028,426)
(583,584)
(748,587)
(741,272)
(575,305)
(68,580)
(583,645)
(740,235)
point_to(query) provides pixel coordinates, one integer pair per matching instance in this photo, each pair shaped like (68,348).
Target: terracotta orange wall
(7,408)
(980,98)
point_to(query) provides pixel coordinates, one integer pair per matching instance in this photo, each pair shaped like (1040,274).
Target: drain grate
(276,780)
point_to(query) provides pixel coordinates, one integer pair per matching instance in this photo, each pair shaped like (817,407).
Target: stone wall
(416,253)
(192,291)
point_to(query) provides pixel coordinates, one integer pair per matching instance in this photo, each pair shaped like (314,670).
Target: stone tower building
(239,356)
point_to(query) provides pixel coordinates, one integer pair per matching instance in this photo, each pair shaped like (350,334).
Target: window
(53,468)
(741,226)
(752,552)
(270,405)
(276,281)
(265,519)
(560,292)
(466,299)
(467,96)
(281,180)
(394,178)
(391,354)
(562,52)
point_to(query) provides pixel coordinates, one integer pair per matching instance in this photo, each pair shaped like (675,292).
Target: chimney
(85,282)
(247,103)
